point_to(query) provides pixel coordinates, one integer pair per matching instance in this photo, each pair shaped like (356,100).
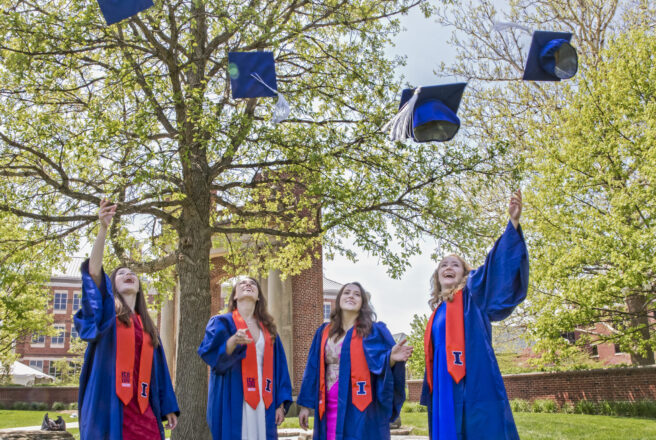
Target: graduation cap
(117,10)
(427,114)
(551,57)
(253,75)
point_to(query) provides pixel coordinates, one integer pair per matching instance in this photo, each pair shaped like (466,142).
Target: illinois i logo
(361,390)
(144,389)
(457,357)
(267,387)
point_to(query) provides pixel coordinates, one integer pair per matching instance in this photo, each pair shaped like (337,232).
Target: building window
(617,349)
(60,302)
(77,298)
(38,340)
(595,351)
(58,340)
(74,334)
(570,336)
(326,311)
(53,370)
(38,365)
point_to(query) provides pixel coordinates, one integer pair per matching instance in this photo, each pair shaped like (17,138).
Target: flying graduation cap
(253,75)
(551,57)
(427,114)
(117,10)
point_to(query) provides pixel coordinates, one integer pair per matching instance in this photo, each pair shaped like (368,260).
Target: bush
(38,406)
(414,407)
(567,408)
(58,406)
(21,406)
(544,406)
(520,405)
(72,405)
(585,407)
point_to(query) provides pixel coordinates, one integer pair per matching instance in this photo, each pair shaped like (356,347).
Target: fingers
(172,421)
(303,419)
(242,338)
(280,416)
(402,341)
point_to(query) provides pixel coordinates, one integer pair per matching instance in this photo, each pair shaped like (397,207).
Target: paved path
(35,428)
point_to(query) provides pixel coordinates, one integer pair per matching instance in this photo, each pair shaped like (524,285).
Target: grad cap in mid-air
(551,57)
(427,114)
(253,75)
(117,10)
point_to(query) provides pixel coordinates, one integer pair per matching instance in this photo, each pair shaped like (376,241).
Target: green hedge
(641,408)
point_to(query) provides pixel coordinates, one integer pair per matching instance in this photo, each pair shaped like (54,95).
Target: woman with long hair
(250,390)
(125,388)
(355,373)
(463,388)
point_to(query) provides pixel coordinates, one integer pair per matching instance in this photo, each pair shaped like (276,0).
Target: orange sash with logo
(360,376)
(125,355)
(249,374)
(455,341)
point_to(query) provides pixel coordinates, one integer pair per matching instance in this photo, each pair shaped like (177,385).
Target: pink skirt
(332,396)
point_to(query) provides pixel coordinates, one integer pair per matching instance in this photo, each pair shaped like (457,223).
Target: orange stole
(361,395)
(455,341)
(125,355)
(249,374)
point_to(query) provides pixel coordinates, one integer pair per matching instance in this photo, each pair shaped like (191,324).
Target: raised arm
(105,215)
(500,284)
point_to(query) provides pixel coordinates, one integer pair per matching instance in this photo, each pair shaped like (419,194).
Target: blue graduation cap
(117,10)
(253,75)
(427,114)
(551,57)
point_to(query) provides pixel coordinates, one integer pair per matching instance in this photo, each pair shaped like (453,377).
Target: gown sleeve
(390,381)
(500,284)
(168,401)
(213,347)
(307,396)
(283,387)
(97,312)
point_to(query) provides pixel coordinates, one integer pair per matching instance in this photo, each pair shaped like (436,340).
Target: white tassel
(400,126)
(281,110)
(501,26)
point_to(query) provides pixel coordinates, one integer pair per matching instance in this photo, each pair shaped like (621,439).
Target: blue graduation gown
(388,387)
(226,396)
(492,292)
(100,410)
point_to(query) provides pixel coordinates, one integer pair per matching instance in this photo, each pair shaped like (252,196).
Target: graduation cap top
(551,57)
(252,74)
(427,113)
(117,10)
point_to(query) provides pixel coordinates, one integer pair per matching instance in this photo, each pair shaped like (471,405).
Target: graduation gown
(100,410)
(226,396)
(387,384)
(491,294)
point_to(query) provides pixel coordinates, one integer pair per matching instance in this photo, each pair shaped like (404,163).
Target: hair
(436,288)
(261,312)
(364,321)
(123,311)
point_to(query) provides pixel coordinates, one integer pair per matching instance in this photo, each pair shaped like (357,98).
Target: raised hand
(239,338)
(106,212)
(400,352)
(515,208)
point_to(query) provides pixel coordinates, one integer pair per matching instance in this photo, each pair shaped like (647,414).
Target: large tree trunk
(195,299)
(637,306)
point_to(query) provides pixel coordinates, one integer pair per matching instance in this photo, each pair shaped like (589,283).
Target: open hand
(241,337)
(515,207)
(400,352)
(106,212)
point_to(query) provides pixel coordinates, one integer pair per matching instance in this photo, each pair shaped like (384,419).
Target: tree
(594,203)
(140,112)
(416,363)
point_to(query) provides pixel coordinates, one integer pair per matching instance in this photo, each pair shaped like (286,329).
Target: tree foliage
(595,235)
(140,112)
(415,365)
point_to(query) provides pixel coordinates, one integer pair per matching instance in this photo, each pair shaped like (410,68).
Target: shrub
(21,406)
(38,406)
(72,405)
(520,405)
(58,406)
(414,407)
(585,407)
(567,408)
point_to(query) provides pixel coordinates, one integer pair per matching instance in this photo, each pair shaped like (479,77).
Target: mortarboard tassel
(400,126)
(281,110)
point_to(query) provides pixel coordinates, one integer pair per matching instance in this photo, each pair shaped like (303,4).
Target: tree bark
(636,305)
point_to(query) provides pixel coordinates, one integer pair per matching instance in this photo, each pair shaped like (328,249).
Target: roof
(330,285)
(70,269)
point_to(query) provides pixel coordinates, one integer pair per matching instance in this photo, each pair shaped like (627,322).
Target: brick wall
(307,297)
(48,395)
(627,384)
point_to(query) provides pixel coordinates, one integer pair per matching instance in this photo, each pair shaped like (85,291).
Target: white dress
(253,423)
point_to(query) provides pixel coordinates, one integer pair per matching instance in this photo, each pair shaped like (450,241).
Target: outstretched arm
(105,215)
(515,208)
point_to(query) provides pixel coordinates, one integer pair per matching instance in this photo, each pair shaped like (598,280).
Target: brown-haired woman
(125,388)
(355,374)
(463,388)
(250,390)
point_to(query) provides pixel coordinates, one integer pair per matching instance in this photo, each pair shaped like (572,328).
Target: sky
(396,301)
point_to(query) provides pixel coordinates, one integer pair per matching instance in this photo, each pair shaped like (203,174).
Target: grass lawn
(531,426)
